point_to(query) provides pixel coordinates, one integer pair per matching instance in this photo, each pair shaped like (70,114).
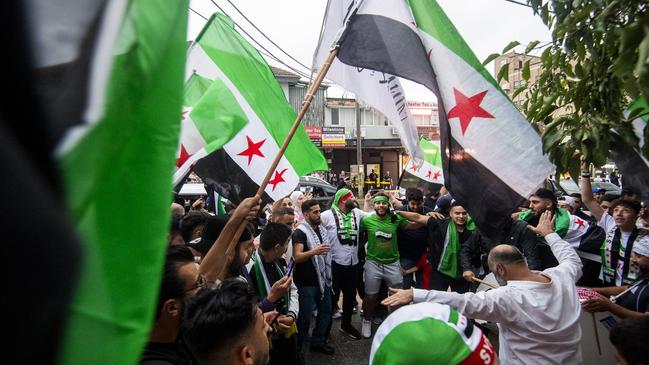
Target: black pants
(439,281)
(284,351)
(344,279)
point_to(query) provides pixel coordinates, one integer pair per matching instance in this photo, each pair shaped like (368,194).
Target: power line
(265,36)
(199,14)
(518,3)
(301,73)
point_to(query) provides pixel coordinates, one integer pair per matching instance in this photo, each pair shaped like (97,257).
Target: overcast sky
(486,25)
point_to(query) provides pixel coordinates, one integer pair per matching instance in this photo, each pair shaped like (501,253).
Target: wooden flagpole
(305,106)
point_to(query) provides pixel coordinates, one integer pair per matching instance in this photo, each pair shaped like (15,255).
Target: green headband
(381,199)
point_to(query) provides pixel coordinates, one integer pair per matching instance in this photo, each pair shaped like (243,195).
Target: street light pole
(359,153)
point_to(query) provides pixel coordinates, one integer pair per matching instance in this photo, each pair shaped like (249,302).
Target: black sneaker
(323,349)
(351,332)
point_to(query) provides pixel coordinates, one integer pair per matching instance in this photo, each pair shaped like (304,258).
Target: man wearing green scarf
(341,223)
(382,260)
(445,239)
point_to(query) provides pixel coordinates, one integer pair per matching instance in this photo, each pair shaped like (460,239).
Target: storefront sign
(315,133)
(333,137)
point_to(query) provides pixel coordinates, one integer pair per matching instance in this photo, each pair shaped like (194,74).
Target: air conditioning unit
(395,132)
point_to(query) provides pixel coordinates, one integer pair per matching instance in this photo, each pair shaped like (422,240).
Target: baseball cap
(430,333)
(598,190)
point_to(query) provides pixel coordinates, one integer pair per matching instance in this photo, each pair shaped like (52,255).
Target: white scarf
(321,263)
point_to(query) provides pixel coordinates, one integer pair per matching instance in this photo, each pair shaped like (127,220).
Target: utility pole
(359,152)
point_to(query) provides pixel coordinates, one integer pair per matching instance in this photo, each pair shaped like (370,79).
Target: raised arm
(569,261)
(414,217)
(216,259)
(587,192)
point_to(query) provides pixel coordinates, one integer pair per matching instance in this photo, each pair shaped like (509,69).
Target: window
(334,117)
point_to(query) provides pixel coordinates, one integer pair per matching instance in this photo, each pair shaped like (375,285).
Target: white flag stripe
(369,86)
(190,137)
(254,129)
(181,171)
(506,144)
(422,171)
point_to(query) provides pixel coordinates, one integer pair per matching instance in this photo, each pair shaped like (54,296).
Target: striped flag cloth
(253,108)
(493,159)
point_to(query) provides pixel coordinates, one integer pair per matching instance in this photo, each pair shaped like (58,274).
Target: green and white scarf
(448,264)
(561,224)
(263,285)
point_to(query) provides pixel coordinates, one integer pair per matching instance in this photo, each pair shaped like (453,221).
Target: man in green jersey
(382,259)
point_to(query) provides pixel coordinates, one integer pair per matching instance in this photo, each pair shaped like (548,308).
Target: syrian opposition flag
(493,158)
(426,175)
(120,154)
(381,90)
(633,166)
(248,97)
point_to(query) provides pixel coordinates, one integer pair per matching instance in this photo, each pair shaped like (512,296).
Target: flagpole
(305,106)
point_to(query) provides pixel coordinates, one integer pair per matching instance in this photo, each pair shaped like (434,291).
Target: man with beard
(537,312)
(584,237)
(313,277)
(341,223)
(224,326)
(382,258)
(181,280)
(626,301)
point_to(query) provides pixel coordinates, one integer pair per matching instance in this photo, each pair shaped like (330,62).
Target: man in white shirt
(537,312)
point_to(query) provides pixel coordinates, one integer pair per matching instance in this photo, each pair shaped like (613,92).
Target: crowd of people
(259,286)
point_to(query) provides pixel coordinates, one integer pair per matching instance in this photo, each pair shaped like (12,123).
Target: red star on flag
(184,155)
(429,173)
(436,175)
(467,108)
(580,223)
(252,150)
(278,178)
(413,167)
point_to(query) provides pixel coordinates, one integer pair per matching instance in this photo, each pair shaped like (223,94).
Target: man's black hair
(215,320)
(175,225)
(414,194)
(627,191)
(190,221)
(629,336)
(173,286)
(576,195)
(547,194)
(308,204)
(274,234)
(634,205)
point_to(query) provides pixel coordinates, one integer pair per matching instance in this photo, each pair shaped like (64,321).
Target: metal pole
(359,151)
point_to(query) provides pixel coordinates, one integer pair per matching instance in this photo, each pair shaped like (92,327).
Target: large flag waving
(117,170)
(381,90)
(493,158)
(249,93)
(633,166)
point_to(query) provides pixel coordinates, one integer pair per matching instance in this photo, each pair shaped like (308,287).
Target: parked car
(322,191)
(568,186)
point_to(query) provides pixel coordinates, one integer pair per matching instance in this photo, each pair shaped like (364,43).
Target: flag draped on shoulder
(492,158)
(376,87)
(257,116)
(633,166)
(117,168)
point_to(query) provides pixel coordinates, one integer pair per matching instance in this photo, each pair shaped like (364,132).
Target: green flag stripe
(218,116)
(195,87)
(126,160)
(244,66)
(433,21)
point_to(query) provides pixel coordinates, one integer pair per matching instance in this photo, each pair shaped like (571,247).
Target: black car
(321,190)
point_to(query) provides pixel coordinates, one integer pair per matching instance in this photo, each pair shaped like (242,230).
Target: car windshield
(605,185)
(569,186)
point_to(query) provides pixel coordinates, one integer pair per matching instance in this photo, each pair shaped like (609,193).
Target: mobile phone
(289,267)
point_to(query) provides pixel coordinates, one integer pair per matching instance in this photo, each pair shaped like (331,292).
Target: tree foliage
(596,64)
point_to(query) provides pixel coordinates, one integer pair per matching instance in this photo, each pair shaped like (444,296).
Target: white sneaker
(367,329)
(337,314)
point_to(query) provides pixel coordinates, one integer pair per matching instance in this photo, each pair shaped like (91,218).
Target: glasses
(201,283)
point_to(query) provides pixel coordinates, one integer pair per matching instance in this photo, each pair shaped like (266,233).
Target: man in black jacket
(475,250)
(412,242)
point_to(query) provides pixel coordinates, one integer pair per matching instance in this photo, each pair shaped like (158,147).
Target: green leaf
(579,71)
(526,70)
(510,46)
(546,56)
(530,46)
(503,73)
(518,91)
(491,57)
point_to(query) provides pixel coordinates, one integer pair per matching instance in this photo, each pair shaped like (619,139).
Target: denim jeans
(311,299)
(411,280)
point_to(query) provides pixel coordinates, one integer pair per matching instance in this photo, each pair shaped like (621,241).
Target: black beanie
(212,230)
